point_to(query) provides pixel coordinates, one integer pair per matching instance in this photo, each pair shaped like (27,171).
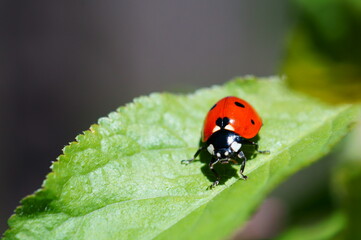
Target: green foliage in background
(346,185)
(324,50)
(328,228)
(123,179)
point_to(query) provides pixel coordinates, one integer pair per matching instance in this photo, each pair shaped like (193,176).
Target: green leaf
(123,178)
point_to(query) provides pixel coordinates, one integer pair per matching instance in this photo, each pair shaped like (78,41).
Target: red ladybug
(228,125)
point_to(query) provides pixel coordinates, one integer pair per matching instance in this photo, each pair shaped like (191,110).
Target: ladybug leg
(211,164)
(264,151)
(243,164)
(194,157)
(256,147)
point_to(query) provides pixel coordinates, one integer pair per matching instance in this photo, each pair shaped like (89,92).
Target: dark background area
(65,64)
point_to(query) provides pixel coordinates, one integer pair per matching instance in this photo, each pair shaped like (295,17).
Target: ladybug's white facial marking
(210,149)
(229,127)
(235,146)
(215,129)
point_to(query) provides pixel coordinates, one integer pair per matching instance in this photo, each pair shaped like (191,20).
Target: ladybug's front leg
(211,164)
(243,164)
(194,157)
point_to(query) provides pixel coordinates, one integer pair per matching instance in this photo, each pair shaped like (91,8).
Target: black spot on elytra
(213,107)
(239,104)
(219,122)
(252,121)
(222,122)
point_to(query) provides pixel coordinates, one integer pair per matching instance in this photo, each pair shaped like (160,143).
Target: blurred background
(65,64)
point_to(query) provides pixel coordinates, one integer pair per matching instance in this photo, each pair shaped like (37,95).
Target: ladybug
(229,125)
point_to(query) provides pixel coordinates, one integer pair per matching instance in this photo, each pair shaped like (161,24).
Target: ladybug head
(220,153)
(223,153)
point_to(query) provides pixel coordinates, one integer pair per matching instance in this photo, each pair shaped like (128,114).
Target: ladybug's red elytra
(229,124)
